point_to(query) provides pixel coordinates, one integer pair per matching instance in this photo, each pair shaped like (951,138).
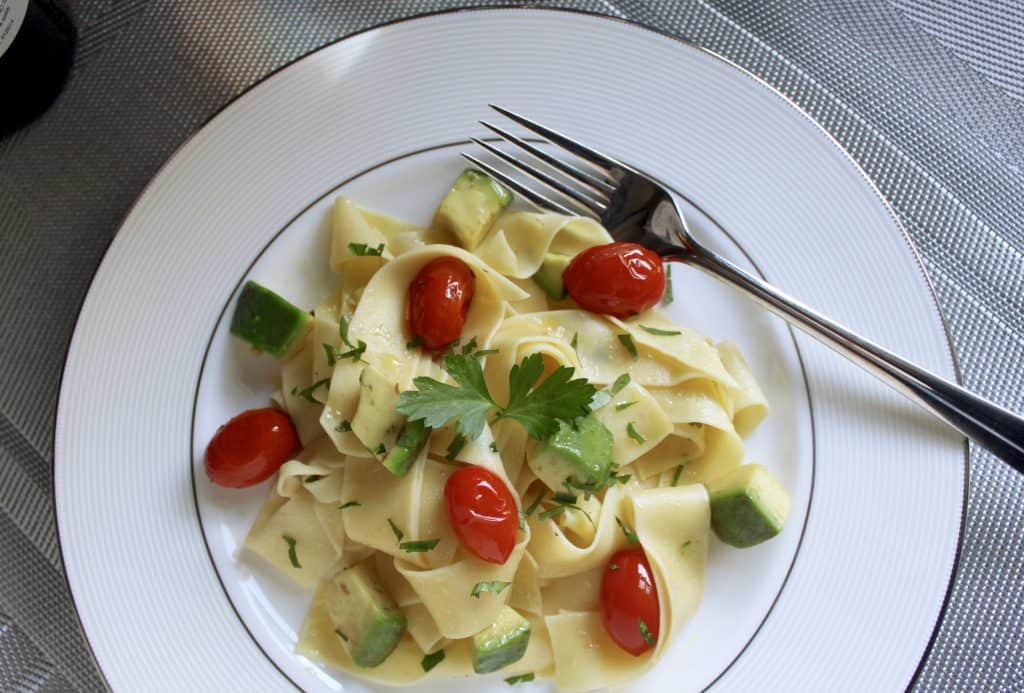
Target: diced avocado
(748,506)
(376,423)
(364,615)
(501,643)
(410,442)
(267,321)
(471,206)
(577,457)
(549,276)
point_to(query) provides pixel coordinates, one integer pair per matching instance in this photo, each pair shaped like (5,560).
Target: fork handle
(987,424)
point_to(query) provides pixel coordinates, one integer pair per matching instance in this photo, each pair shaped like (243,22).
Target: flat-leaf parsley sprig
(538,407)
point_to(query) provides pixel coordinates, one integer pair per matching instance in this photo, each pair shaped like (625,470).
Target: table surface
(927,95)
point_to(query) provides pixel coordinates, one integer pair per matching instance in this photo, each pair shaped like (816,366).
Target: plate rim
(511,9)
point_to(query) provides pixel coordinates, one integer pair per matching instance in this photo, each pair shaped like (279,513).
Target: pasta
(678,407)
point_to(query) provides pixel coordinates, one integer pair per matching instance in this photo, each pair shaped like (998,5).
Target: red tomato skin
(482,512)
(620,279)
(438,302)
(250,447)
(629,594)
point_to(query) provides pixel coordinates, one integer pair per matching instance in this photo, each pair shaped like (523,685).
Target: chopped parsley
(419,546)
(575,344)
(646,633)
(660,333)
(397,532)
(350,504)
(381,450)
(355,353)
(631,536)
(432,660)
(292,555)
(666,298)
(522,678)
(536,502)
(314,477)
(343,427)
(493,586)
(537,407)
(493,446)
(341,635)
(564,501)
(625,405)
(363,250)
(333,354)
(455,447)
(685,544)
(675,476)
(603,397)
(307,393)
(627,341)
(635,434)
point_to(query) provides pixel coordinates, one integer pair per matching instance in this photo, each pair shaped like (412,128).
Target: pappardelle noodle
(474,473)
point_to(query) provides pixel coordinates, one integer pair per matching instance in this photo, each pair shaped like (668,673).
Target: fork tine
(536,198)
(590,203)
(589,155)
(579,175)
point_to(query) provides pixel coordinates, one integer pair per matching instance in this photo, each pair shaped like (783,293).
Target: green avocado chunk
(267,321)
(407,447)
(501,643)
(578,456)
(376,422)
(549,276)
(365,617)
(471,206)
(748,506)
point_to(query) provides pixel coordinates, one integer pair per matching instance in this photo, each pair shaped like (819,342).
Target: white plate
(846,598)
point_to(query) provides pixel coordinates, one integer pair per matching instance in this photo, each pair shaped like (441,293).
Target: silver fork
(635,207)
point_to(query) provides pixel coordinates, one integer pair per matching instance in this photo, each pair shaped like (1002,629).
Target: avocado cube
(549,275)
(267,321)
(501,643)
(364,615)
(748,506)
(471,206)
(376,422)
(407,447)
(578,456)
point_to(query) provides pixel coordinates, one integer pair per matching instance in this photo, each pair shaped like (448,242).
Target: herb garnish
(635,434)
(536,502)
(340,634)
(685,544)
(333,354)
(627,341)
(307,393)
(455,447)
(493,586)
(675,476)
(362,249)
(631,536)
(314,477)
(604,396)
(343,427)
(432,660)
(292,555)
(522,678)
(537,407)
(646,633)
(660,333)
(414,342)
(564,501)
(350,504)
(397,532)
(493,446)
(421,546)
(625,405)
(575,344)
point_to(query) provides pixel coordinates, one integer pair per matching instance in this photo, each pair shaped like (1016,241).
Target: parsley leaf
(557,397)
(635,434)
(307,393)
(419,546)
(455,447)
(666,298)
(292,555)
(493,586)
(627,341)
(675,476)
(658,332)
(437,403)
(355,353)
(522,678)
(333,354)
(362,249)
(646,634)
(432,660)
(631,536)
(343,330)
(397,532)
(575,344)
(603,397)
(536,502)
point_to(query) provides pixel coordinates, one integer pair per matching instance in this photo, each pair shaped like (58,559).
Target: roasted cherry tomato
(619,279)
(482,512)
(629,597)
(439,299)
(251,447)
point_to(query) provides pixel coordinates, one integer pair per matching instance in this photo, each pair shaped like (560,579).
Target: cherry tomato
(629,596)
(439,299)
(619,279)
(251,447)
(482,512)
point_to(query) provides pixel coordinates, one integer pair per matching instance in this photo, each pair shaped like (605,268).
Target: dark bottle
(37,44)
